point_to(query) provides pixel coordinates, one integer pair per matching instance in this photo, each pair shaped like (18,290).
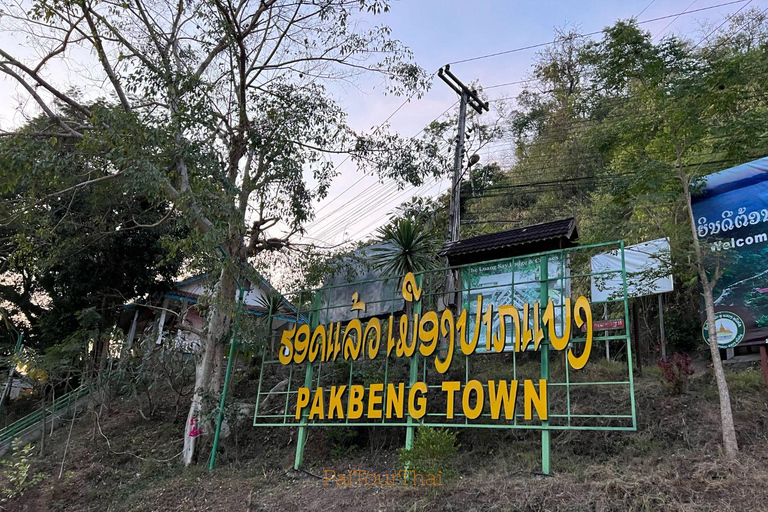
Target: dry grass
(672,463)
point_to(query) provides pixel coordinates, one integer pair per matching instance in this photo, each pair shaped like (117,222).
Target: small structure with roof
(180,316)
(547,236)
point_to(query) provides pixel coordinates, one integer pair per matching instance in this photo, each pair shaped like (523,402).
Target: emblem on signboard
(730,329)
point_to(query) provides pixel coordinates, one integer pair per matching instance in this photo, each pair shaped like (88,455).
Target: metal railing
(32,421)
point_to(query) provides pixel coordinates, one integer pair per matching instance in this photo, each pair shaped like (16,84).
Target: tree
(618,132)
(404,246)
(220,107)
(90,248)
(677,109)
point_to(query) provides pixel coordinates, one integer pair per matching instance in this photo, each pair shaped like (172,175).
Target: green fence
(598,397)
(33,420)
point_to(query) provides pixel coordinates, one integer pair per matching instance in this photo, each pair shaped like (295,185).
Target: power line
(403,104)
(384,188)
(726,20)
(319,220)
(646,8)
(673,21)
(540,45)
(392,189)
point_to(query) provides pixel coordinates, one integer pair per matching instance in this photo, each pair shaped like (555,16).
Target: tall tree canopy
(220,108)
(618,132)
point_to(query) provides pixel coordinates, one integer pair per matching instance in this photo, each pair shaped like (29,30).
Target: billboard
(731,215)
(647,265)
(485,364)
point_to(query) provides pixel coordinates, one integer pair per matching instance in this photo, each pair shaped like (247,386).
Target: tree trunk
(726,414)
(218,365)
(219,319)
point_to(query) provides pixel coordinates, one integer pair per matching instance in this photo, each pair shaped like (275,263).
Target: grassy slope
(672,463)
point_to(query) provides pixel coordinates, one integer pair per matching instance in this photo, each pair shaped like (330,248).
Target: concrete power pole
(468,97)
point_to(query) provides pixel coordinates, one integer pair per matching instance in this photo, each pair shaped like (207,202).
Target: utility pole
(468,97)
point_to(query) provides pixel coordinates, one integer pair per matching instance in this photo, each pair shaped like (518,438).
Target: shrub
(342,441)
(675,371)
(16,471)
(434,450)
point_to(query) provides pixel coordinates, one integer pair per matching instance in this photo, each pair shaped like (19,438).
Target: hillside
(117,461)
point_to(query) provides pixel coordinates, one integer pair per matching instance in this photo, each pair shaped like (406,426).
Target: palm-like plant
(271,304)
(405,246)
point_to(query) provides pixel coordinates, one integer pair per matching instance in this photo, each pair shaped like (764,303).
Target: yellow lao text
(428,331)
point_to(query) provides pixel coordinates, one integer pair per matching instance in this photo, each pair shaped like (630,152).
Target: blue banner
(731,215)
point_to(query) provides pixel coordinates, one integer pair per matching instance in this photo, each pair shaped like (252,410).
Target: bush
(342,441)
(675,371)
(434,450)
(16,471)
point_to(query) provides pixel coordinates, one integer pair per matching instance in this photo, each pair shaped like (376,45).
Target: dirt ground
(117,461)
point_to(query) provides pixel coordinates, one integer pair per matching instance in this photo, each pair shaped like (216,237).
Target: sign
(406,337)
(359,356)
(730,329)
(648,271)
(516,282)
(731,215)
(607,325)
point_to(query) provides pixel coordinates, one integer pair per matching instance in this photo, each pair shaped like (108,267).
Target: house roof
(178,294)
(537,237)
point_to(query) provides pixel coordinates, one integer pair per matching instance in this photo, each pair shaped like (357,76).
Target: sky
(440,32)
(447,31)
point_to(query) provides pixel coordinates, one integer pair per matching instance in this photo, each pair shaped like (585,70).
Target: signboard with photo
(515,282)
(731,215)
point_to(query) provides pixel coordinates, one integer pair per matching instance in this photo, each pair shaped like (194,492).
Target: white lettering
(739,242)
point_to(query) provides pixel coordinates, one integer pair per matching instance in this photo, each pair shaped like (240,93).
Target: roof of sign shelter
(734,178)
(542,237)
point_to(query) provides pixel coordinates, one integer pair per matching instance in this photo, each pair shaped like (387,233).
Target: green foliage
(434,450)
(749,382)
(68,248)
(611,130)
(16,471)
(405,246)
(342,441)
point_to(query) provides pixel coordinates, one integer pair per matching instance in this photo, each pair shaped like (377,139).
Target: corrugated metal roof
(564,228)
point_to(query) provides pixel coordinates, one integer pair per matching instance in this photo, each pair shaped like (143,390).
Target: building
(179,317)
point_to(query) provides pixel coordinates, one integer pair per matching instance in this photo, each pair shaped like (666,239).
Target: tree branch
(36,77)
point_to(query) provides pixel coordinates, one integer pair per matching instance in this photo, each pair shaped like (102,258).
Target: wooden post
(764,362)
(161,323)
(662,333)
(636,333)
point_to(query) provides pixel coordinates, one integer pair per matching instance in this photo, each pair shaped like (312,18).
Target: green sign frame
(570,392)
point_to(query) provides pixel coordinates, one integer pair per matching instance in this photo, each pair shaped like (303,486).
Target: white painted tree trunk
(730,444)
(219,320)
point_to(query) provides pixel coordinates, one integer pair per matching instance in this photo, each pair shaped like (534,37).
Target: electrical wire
(541,45)
(387,189)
